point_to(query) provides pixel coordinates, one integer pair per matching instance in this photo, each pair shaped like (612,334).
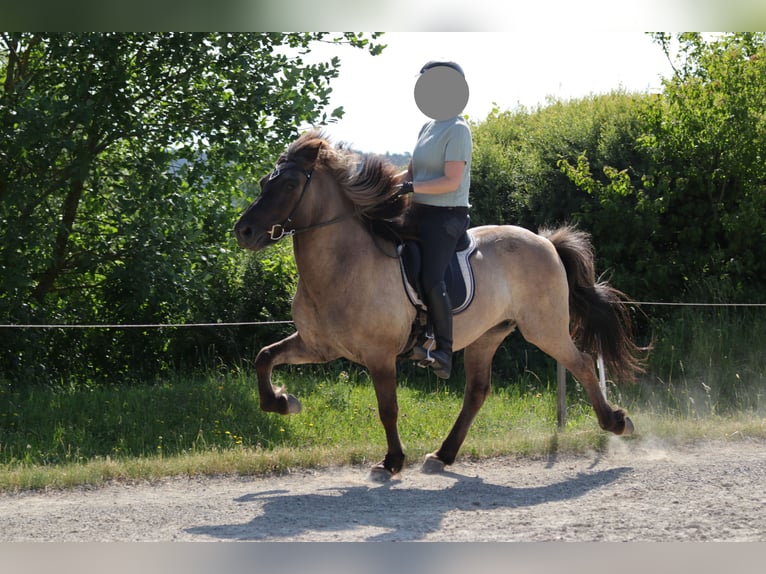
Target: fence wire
(289,322)
(145,326)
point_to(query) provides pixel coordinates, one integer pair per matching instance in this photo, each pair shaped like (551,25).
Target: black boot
(440,312)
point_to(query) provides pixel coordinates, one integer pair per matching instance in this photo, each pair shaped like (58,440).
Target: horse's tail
(600,316)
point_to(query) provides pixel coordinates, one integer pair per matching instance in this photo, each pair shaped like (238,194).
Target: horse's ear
(308,153)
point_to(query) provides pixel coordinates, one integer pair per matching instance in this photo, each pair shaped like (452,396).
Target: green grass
(212,424)
(705,381)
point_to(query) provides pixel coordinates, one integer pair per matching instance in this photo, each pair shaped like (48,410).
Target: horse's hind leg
(581,366)
(293,351)
(558,344)
(478,373)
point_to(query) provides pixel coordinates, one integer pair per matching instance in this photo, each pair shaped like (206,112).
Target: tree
(671,186)
(125,158)
(707,139)
(556,164)
(674,184)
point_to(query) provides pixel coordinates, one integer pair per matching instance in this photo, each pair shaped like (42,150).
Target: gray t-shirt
(438,142)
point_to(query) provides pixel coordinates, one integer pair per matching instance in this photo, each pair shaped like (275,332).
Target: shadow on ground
(401,513)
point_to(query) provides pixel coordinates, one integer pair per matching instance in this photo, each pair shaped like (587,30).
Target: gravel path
(637,491)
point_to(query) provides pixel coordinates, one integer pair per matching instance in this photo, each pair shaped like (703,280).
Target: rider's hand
(405,188)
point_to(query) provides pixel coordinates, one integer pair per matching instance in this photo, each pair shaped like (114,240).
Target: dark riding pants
(438,229)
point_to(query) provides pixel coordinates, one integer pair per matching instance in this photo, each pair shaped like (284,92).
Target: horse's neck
(344,248)
(332,248)
(328,218)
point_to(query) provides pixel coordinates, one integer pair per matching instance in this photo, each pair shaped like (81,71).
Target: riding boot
(440,312)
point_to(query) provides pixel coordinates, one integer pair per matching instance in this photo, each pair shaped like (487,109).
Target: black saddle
(458,277)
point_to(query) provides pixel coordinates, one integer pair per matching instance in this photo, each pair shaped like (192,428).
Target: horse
(350,300)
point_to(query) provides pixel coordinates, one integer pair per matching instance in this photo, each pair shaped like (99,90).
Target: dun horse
(350,301)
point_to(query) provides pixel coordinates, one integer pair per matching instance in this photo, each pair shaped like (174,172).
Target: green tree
(687,221)
(125,159)
(568,162)
(707,139)
(672,186)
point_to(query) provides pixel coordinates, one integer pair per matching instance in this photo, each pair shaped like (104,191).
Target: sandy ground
(636,491)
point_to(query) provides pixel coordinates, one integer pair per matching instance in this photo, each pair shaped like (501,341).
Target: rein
(278,230)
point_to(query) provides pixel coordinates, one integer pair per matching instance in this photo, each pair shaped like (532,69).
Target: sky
(503,70)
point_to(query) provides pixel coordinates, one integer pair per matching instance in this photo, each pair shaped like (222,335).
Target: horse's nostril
(243,231)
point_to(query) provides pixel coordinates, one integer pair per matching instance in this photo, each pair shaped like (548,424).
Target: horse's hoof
(380,473)
(293,405)
(629,428)
(433,464)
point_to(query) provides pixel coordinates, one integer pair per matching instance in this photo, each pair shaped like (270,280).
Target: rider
(439,174)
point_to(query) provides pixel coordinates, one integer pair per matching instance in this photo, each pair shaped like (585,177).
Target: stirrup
(425,361)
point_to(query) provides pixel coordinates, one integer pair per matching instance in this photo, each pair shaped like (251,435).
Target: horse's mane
(367,180)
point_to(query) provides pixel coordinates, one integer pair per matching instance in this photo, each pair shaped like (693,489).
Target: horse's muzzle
(248,237)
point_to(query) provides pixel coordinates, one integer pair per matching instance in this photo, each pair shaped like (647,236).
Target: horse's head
(270,217)
(364,189)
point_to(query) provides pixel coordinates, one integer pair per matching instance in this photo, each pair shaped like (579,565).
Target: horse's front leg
(291,351)
(384,381)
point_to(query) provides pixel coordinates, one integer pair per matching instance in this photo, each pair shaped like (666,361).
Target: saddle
(458,277)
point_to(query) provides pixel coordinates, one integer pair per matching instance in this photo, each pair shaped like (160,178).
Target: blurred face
(441,93)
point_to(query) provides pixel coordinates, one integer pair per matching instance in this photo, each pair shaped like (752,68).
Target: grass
(212,424)
(706,381)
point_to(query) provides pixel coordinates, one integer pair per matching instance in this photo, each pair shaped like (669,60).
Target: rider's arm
(450,181)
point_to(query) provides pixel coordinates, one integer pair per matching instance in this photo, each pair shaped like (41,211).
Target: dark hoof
(293,405)
(387,468)
(621,425)
(281,403)
(380,473)
(433,464)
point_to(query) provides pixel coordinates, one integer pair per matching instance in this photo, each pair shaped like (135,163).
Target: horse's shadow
(401,513)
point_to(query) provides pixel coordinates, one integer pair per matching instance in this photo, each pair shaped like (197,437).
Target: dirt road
(636,491)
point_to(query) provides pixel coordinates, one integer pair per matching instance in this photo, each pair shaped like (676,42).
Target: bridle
(278,230)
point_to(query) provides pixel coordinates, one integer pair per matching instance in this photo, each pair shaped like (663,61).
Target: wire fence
(700,304)
(561,374)
(143,326)
(289,322)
